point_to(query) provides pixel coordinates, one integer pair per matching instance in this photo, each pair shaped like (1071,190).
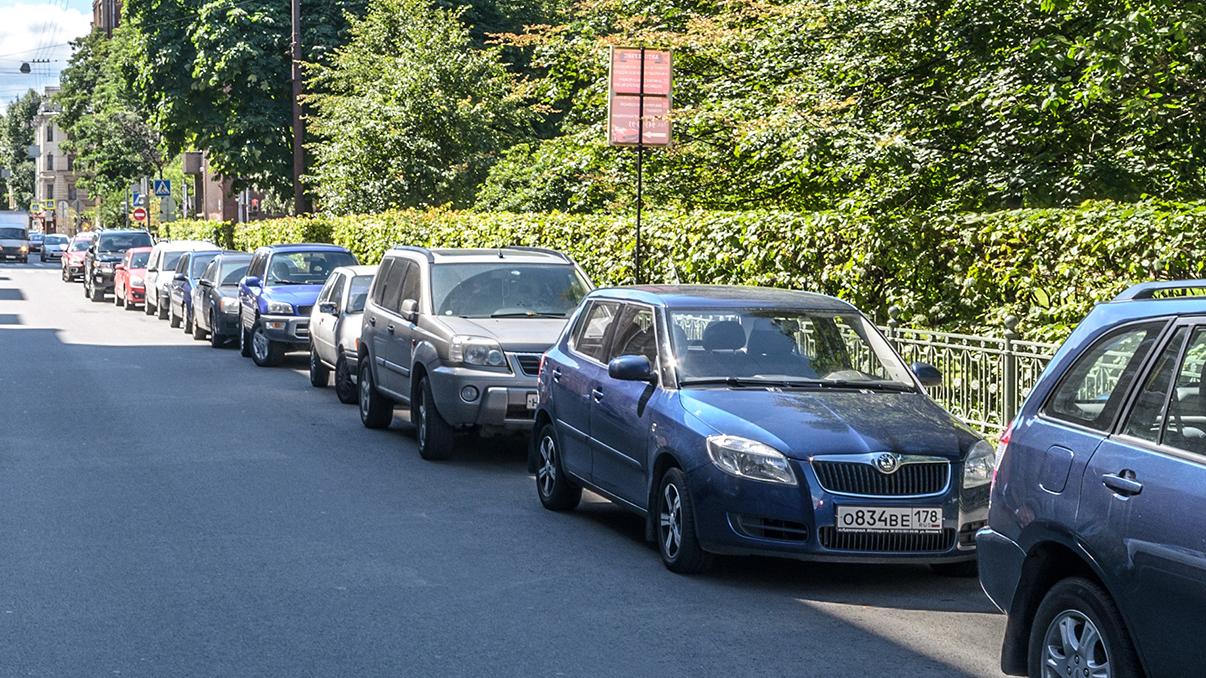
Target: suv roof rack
(1148,290)
(416,248)
(542,250)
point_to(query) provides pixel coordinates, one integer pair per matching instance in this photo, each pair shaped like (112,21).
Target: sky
(33,29)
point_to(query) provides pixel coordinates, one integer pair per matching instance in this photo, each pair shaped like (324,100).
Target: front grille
(887,542)
(771,528)
(304,310)
(529,363)
(857,478)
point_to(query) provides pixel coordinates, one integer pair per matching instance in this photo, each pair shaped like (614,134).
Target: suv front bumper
(502,399)
(287,329)
(102,279)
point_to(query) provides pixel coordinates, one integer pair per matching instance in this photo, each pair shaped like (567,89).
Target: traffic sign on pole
(162,187)
(140,200)
(139,214)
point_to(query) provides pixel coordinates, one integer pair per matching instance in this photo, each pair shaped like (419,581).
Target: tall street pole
(300,205)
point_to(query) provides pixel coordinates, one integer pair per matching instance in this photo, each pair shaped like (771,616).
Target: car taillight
(1002,446)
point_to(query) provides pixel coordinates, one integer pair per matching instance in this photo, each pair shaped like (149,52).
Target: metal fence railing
(985,379)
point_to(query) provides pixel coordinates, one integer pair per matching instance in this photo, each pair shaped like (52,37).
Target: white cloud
(36,31)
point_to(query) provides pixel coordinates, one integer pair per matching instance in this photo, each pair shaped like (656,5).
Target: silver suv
(457,335)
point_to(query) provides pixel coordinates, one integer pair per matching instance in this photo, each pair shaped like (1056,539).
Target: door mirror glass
(410,310)
(631,368)
(927,374)
(328,307)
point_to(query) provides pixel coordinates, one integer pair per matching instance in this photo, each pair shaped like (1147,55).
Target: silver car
(335,329)
(53,247)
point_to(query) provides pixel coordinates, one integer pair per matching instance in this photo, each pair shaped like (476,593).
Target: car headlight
(105,266)
(25,248)
(981,460)
(746,458)
(476,351)
(280,307)
(229,304)
(136,281)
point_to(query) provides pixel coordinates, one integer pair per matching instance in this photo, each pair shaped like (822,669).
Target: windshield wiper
(527,314)
(737,382)
(867,385)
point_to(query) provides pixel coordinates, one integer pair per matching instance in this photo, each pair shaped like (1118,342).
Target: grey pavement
(167,509)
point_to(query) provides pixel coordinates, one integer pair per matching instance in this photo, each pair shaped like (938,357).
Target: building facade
(58,200)
(106,14)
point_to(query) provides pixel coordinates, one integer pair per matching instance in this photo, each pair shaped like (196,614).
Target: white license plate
(533,401)
(876,519)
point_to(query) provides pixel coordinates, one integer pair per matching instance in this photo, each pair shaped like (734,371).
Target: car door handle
(389,328)
(597,394)
(1123,483)
(556,375)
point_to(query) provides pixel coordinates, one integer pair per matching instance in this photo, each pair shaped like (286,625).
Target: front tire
(320,376)
(264,351)
(556,491)
(376,411)
(677,541)
(345,386)
(1078,629)
(435,438)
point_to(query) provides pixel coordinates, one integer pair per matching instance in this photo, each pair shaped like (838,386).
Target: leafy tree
(17,137)
(410,112)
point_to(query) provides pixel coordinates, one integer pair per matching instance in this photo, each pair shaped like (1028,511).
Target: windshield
(359,292)
(199,262)
(780,346)
(7,233)
(306,268)
(80,244)
(233,271)
(120,242)
(56,240)
(139,259)
(493,290)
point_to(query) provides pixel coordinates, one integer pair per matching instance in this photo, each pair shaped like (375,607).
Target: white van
(14,236)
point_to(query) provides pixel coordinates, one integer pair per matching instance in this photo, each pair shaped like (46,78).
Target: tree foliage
(411,112)
(17,136)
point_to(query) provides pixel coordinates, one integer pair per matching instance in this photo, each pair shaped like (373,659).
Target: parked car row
(741,420)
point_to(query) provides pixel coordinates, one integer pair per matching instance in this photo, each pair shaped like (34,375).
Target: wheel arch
(661,460)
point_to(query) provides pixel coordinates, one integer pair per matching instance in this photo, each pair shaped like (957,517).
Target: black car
(216,298)
(103,255)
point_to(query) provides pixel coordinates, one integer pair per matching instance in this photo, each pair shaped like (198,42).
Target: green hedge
(1046,266)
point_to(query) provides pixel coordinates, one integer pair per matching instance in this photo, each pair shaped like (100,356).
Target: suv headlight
(280,307)
(981,460)
(105,265)
(479,351)
(230,304)
(746,458)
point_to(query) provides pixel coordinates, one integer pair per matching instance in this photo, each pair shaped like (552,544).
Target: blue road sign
(162,187)
(140,200)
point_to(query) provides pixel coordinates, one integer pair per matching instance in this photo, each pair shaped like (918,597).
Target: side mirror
(205,283)
(410,310)
(328,307)
(119,267)
(927,374)
(180,277)
(631,368)
(252,281)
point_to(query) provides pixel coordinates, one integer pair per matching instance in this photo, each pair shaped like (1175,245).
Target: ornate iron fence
(984,379)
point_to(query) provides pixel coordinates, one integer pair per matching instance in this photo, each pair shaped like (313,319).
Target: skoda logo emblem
(887,463)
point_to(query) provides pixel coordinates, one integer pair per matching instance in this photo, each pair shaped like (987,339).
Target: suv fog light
(275,324)
(469,394)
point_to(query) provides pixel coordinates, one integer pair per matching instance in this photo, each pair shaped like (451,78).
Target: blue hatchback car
(1096,540)
(756,421)
(277,295)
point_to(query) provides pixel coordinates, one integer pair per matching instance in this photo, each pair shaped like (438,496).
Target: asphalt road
(168,509)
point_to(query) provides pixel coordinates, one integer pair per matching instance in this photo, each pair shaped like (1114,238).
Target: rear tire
(161,309)
(215,340)
(320,375)
(1087,611)
(195,327)
(128,304)
(345,386)
(117,301)
(677,541)
(436,439)
(376,411)
(173,319)
(147,308)
(244,341)
(556,491)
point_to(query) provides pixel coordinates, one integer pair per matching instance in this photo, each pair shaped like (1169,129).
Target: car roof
(724,296)
(303,247)
(184,245)
(362,269)
(484,255)
(234,254)
(139,249)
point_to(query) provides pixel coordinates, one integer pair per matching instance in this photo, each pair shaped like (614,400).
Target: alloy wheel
(1074,647)
(366,392)
(259,344)
(547,473)
(421,424)
(671,520)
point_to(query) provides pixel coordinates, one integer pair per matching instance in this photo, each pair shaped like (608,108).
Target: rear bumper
(1001,561)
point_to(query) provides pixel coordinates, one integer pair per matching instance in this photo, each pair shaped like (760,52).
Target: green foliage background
(1046,266)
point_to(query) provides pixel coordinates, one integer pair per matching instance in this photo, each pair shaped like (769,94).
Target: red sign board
(139,214)
(625,115)
(638,109)
(626,72)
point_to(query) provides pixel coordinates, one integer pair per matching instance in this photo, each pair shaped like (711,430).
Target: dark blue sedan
(756,421)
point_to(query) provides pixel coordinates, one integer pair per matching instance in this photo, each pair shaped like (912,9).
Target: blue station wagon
(756,421)
(1096,542)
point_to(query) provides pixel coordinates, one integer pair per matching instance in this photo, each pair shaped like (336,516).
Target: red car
(129,278)
(73,258)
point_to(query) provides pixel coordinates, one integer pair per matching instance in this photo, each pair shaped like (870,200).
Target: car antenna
(500,253)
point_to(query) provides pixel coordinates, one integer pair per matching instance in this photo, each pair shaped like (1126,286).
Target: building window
(72,192)
(50,162)
(70,162)
(49,132)
(49,191)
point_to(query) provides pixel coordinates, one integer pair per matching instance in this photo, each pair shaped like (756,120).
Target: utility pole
(300,204)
